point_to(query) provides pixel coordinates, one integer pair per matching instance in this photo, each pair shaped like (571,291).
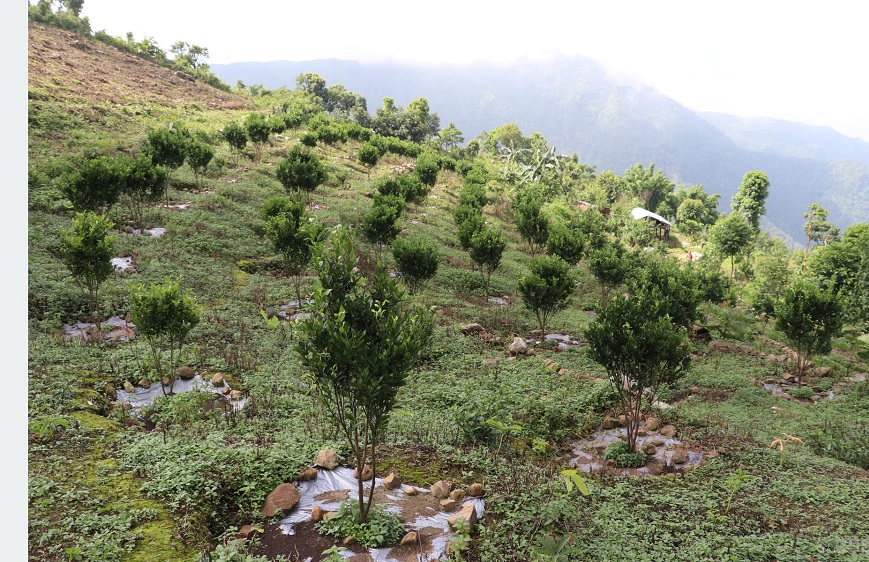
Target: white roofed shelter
(661,225)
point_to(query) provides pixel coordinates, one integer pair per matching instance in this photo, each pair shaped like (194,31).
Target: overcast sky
(794,60)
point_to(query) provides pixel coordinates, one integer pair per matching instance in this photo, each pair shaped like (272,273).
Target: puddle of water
(122,264)
(145,396)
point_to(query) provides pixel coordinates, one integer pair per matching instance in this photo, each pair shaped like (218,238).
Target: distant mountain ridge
(612,123)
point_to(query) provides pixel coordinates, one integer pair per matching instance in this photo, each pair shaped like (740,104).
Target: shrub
(417,259)
(382,528)
(618,451)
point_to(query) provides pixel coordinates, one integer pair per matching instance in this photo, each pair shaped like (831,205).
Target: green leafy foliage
(486,248)
(640,351)
(358,347)
(750,198)
(417,259)
(96,185)
(810,319)
(531,222)
(619,452)
(380,529)
(301,171)
(546,290)
(87,249)
(164,315)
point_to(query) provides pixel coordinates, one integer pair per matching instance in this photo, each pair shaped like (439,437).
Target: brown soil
(307,542)
(69,66)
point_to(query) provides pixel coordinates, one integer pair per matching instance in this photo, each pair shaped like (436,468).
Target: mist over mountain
(613,124)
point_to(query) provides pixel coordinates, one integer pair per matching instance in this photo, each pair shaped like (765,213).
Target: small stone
(623,420)
(518,346)
(144,383)
(166,381)
(348,540)
(245,531)
(610,423)
(472,328)
(410,538)
(217,380)
(128,229)
(787,376)
(410,491)
(317,513)
(457,495)
(391,482)
(129,388)
(822,371)
(448,504)
(367,473)
(224,390)
(652,423)
(327,459)
(649,449)
(468,513)
(440,489)
(111,393)
(657,442)
(235,394)
(307,475)
(668,431)
(679,457)
(186,373)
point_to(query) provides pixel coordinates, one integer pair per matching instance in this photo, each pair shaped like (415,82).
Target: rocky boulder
(391,482)
(610,423)
(472,328)
(129,388)
(518,346)
(679,456)
(367,473)
(410,538)
(668,431)
(468,513)
(652,423)
(217,380)
(457,495)
(186,373)
(475,489)
(283,498)
(327,459)
(440,489)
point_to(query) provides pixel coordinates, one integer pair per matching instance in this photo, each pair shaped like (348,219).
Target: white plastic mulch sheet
(342,479)
(145,396)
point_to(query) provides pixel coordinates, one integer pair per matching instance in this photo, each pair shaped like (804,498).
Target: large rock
(610,423)
(367,473)
(307,475)
(317,513)
(448,504)
(186,373)
(652,423)
(129,388)
(410,491)
(472,328)
(475,489)
(440,489)
(327,459)
(245,531)
(468,513)
(822,371)
(668,431)
(655,466)
(410,538)
(144,383)
(217,380)
(649,449)
(111,393)
(283,498)
(679,457)
(391,482)
(457,495)
(519,346)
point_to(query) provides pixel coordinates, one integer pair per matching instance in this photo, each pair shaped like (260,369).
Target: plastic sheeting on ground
(145,396)
(342,479)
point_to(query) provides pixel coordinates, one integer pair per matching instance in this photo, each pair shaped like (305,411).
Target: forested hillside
(281,324)
(612,124)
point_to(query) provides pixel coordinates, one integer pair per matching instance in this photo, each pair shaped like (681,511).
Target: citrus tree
(87,249)
(358,347)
